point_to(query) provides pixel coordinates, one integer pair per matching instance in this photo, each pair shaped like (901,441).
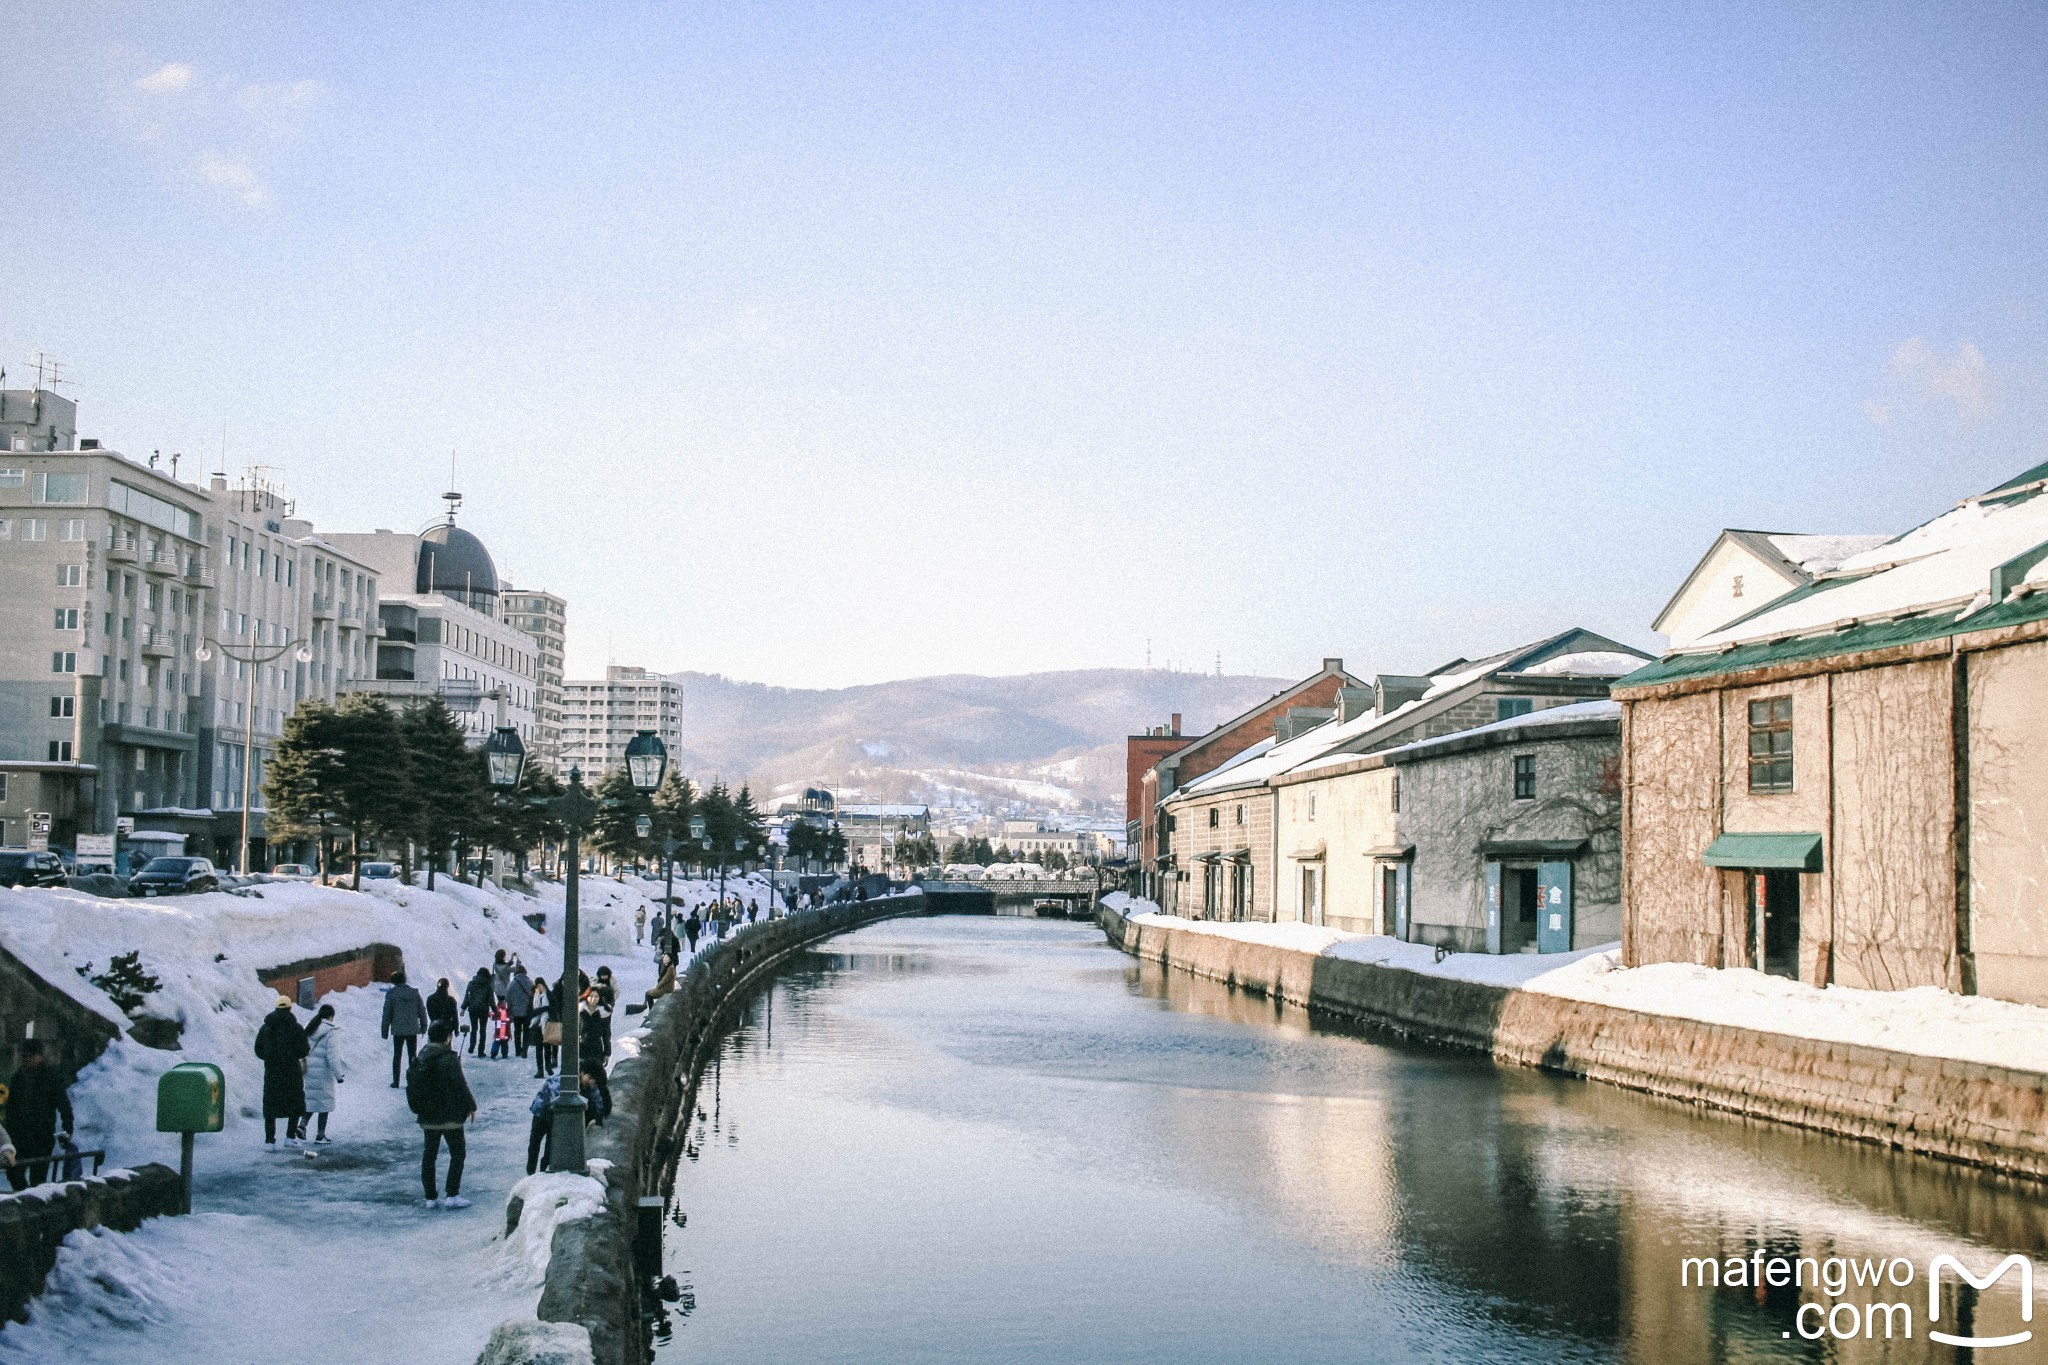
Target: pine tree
(126,982)
(448,780)
(619,807)
(373,790)
(303,775)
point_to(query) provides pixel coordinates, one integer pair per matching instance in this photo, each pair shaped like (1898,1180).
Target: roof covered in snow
(1980,565)
(1572,653)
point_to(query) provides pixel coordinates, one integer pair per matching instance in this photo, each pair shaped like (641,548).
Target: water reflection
(982,1138)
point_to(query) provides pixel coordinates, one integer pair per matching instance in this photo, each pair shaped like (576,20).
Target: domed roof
(454,561)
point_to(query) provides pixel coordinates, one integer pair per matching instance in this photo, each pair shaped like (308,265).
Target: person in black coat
(441,1006)
(36,1103)
(281,1043)
(439,1095)
(476,1003)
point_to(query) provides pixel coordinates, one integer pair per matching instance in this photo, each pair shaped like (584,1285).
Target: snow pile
(207,951)
(115,1283)
(548,1200)
(1013,871)
(1926,1021)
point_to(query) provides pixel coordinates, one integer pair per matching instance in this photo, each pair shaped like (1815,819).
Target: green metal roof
(1768,852)
(1856,640)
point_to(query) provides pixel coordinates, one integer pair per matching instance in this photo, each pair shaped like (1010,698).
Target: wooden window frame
(1772,765)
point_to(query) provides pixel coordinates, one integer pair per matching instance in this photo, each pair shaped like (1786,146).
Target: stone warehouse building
(1155,769)
(1313,824)
(1851,784)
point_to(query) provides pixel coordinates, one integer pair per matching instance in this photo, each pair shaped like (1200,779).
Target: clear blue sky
(823,344)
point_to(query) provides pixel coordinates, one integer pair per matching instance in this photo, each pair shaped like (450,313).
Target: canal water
(998,1139)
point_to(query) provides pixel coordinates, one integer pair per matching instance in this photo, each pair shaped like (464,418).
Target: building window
(11,478)
(1507,708)
(71,575)
(1311,805)
(1240,815)
(1770,745)
(60,488)
(1215,816)
(1397,793)
(63,661)
(60,751)
(66,618)
(73,529)
(34,528)
(61,707)
(1525,777)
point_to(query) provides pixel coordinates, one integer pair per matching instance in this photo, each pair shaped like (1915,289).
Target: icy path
(335,1258)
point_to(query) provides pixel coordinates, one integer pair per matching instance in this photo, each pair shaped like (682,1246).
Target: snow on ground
(1926,1021)
(337,1247)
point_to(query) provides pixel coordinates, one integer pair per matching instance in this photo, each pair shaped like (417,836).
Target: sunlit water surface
(999,1139)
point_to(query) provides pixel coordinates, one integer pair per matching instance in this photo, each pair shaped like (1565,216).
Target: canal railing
(596,1277)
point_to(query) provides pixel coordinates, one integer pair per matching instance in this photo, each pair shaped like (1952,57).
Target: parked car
(30,867)
(174,876)
(294,872)
(381,872)
(103,884)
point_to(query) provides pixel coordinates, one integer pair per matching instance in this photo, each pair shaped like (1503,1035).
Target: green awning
(1766,852)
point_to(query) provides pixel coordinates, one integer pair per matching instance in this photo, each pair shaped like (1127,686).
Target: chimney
(219,484)
(1333,665)
(1176,723)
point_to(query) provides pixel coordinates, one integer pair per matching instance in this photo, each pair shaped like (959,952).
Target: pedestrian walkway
(332,1256)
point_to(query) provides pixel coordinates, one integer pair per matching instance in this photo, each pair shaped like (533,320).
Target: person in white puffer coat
(324,1068)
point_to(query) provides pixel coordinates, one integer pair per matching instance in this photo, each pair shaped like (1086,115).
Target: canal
(999,1139)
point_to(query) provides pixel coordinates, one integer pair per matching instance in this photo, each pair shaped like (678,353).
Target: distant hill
(1047,741)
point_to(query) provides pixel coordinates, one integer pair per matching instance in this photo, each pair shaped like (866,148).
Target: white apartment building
(445,635)
(113,575)
(545,617)
(279,588)
(599,716)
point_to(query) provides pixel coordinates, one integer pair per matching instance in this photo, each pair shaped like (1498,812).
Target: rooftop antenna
(175,457)
(223,470)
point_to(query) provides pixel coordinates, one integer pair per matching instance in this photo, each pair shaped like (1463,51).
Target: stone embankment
(592,1280)
(1989,1116)
(35,1222)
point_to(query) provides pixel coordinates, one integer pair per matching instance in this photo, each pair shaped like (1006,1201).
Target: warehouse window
(1770,745)
(1525,777)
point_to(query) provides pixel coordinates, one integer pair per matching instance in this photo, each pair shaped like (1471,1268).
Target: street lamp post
(574,808)
(250,657)
(565,1141)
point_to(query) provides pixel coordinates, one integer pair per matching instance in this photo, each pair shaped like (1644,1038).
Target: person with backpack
(439,1096)
(405,1016)
(476,1003)
(324,1070)
(519,999)
(692,927)
(597,1107)
(501,976)
(281,1043)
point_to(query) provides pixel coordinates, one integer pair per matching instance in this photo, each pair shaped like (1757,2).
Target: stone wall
(591,1278)
(35,1222)
(1963,1111)
(72,1033)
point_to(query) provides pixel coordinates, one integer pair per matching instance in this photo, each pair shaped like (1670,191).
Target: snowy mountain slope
(1054,740)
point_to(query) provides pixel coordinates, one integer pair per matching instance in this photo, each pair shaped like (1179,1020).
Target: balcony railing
(123,549)
(160,561)
(158,643)
(323,606)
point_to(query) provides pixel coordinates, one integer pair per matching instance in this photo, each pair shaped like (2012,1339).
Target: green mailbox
(191,1098)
